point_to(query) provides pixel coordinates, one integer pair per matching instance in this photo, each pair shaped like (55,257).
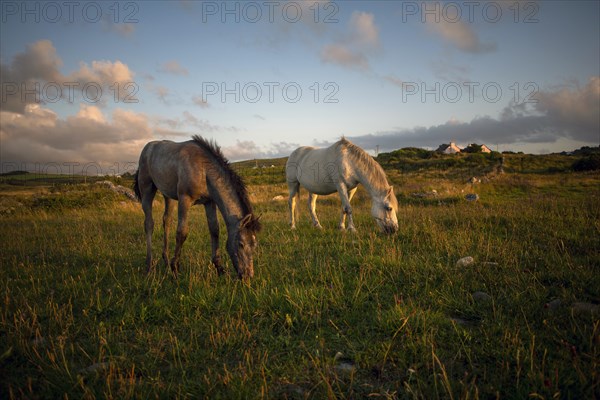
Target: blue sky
(515,75)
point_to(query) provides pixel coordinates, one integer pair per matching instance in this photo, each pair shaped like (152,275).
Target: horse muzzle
(387,226)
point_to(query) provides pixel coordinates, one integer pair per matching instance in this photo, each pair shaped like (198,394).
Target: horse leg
(312,209)
(213,226)
(346,209)
(342,224)
(167,227)
(185,202)
(294,188)
(147,198)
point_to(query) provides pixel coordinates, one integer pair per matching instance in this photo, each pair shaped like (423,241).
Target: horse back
(315,169)
(175,168)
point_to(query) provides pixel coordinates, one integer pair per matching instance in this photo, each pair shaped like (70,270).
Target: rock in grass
(472,197)
(489,264)
(553,305)
(481,297)
(465,262)
(344,364)
(461,321)
(585,308)
(278,198)
(97,367)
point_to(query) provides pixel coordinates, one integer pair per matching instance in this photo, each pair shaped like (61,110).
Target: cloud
(38,135)
(27,78)
(39,62)
(249,150)
(173,67)
(350,50)
(569,113)
(459,34)
(341,55)
(189,124)
(363,30)
(447,71)
(161,92)
(199,101)
(397,81)
(573,111)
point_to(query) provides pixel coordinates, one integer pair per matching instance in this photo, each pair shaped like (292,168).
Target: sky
(87,83)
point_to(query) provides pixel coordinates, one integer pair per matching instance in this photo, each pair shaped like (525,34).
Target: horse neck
(375,182)
(227,199)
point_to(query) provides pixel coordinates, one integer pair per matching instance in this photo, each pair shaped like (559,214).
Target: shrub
(589,163)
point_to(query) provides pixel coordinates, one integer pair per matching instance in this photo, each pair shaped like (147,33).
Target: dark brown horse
(196,172)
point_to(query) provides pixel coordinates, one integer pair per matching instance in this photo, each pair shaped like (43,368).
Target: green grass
(328,314)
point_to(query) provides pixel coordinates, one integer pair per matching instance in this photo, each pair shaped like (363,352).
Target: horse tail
(136,186)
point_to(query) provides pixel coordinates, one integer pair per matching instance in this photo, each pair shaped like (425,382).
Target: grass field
(328,314)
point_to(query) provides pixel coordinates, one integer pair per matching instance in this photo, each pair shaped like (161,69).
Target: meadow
(328,314)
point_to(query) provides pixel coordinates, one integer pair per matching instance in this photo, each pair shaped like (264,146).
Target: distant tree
(589,163)
(586,150)
(472,148)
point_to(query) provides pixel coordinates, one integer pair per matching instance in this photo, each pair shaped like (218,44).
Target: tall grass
(328,314)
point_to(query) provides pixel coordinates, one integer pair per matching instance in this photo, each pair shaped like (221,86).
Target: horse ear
(390,192)
(245,221)
(250,222)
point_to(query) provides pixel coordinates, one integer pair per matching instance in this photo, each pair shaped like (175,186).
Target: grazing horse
(340,167)
(196,172)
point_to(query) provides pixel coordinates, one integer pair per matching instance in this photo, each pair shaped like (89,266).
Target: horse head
(241,244)
(384,209)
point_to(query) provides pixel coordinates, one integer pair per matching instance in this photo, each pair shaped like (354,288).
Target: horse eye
(388,208)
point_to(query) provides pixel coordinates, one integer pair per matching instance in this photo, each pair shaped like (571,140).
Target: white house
(451,148)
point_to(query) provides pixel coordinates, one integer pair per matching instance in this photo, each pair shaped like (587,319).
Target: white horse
(340,167)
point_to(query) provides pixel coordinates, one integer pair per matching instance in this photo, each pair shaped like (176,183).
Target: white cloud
(342,55)
(571,113)
(363,29)
(248,150)
(40,136)
(459,34)
(199,101)
(39,65)
(173,67)
(351,49)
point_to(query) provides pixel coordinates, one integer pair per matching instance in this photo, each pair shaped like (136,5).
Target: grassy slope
(79,317)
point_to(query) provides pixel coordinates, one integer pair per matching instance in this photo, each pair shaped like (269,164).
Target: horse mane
(213,149)
(368,163)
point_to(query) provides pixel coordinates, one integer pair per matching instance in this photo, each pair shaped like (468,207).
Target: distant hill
(13,173)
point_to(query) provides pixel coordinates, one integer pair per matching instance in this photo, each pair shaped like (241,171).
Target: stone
(489,264)
(553,305)
(465,262)
(472,197)
(343,364)
(97,367)
(585,308)
(481,297)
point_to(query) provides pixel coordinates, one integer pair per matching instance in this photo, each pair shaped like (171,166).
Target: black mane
(236,181)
